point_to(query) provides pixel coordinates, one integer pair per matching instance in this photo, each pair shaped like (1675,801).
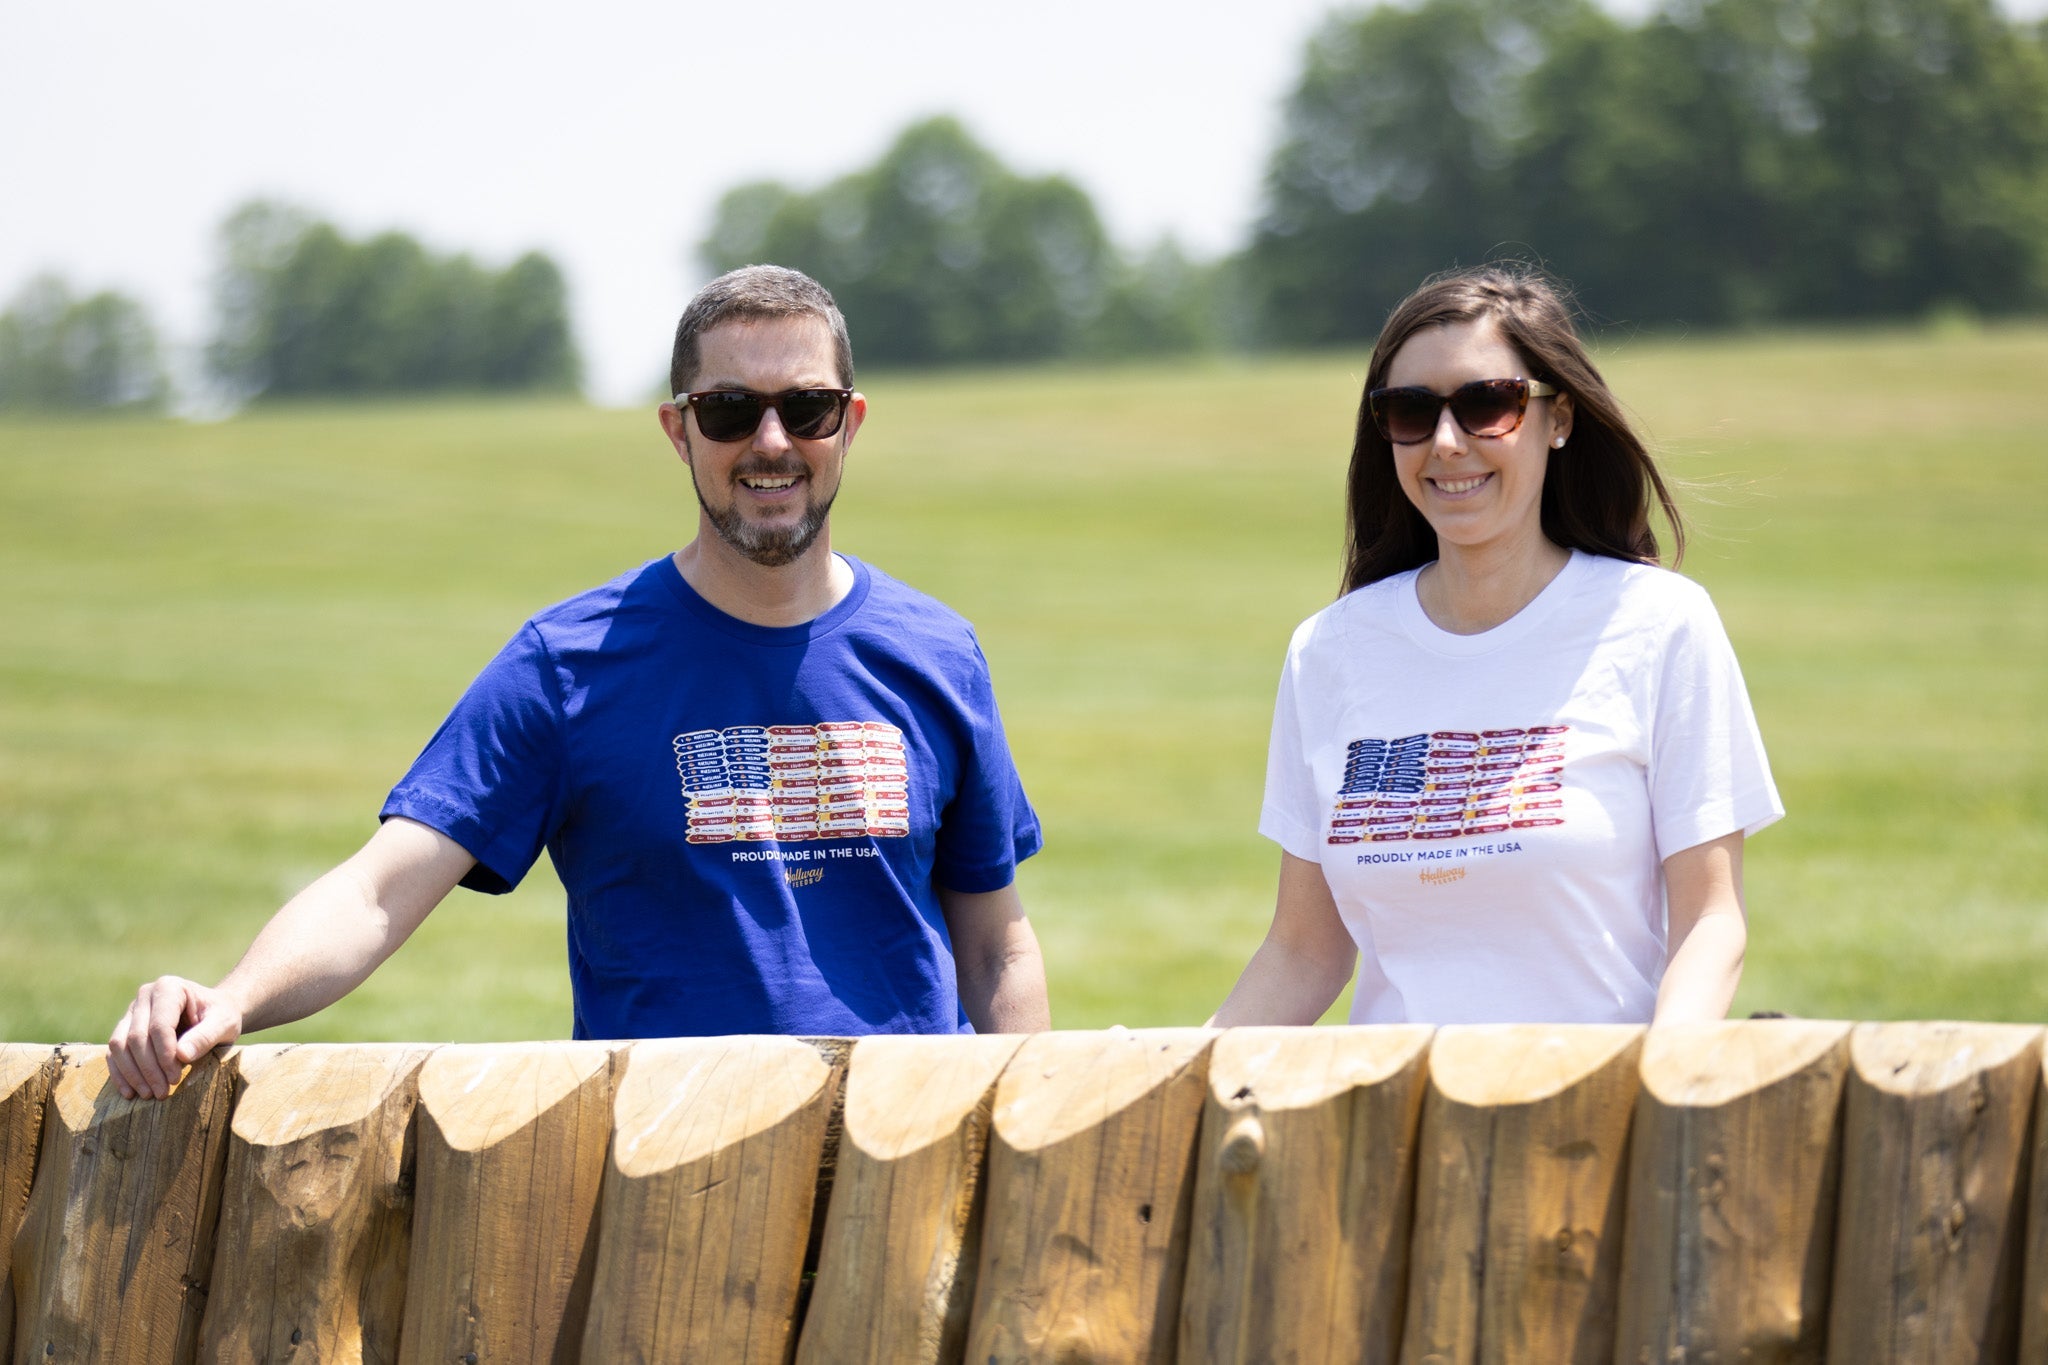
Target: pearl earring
(1558,444)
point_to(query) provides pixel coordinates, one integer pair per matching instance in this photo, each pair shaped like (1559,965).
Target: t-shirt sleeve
(491,777)
(1708,773)
(1289,815)
(989,827)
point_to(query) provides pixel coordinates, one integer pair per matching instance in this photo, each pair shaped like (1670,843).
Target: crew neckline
(1428,634)
(773,637)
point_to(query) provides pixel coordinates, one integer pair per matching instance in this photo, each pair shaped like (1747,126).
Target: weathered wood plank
(1304,1194)
(1931,1229)
(1520,1187)
(316,1208)
(511,1141)
(896,1269)
(113,1257)
(26,1075)
(1091,1178)
(2034,1291)
(1735,1163)
(708,1200)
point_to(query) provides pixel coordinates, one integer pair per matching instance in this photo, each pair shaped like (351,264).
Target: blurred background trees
(62,352)
(944,255)
(1720,162)
(303,311)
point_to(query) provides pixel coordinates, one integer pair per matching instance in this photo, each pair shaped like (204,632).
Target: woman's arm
(1307,957)
(1707,931)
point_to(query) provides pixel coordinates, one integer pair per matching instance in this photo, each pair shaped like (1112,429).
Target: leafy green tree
(304,311)
(939,253)
(59,351)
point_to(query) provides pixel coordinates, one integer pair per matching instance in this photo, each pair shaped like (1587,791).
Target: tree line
(301,311)
(1712,163)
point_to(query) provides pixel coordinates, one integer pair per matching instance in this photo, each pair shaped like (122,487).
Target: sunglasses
(1485,407)
(735,414)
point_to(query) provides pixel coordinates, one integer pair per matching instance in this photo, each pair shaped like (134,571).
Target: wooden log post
(1091,1178)
(511,1154)
(708,1200)
(316,1208)
(113,1257)
(1933,1192)
(1520,1184)
(1304,1194)
(2034,1295)
(1734,1167)
(896,1269)
(26,1074)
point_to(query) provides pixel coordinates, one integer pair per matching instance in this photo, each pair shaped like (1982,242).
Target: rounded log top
(478,1093)
(1917,1058)
(293,1090)
(85,1094)
(1060,1084)
(1699,1066)
(1294,1068)
(904,1093)
(1497,1064)
(21,1063)
(684,1099)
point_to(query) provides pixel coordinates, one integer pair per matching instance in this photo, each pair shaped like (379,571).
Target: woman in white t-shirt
(1513,766)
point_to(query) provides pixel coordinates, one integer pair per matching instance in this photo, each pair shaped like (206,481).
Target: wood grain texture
(896,1268)
(26,1074)
(1304,1194)
(316,1208)
(1934,1155)
(2034,1281)
(511,1153)
(1735,1164)
(708,1200)
(1091,1178)
(1520,1186)
(113,1257)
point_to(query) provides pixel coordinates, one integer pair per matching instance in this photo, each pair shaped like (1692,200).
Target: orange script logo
(1441,876)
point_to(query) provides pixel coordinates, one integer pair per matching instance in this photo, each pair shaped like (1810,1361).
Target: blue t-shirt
(751,821)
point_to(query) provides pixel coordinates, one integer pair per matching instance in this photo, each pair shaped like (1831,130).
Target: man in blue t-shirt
(772,778)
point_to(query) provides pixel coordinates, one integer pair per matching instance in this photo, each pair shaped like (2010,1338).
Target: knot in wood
(1957,1216)
(1244,1146)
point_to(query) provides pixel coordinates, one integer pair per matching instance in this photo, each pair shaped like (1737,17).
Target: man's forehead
(778,352)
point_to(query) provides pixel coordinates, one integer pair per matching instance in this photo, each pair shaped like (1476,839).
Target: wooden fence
(1769,1191)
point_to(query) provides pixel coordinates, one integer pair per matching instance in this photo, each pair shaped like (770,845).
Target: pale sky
(601,132)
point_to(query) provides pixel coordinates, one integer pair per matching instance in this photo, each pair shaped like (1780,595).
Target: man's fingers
(216,1025)
(166,1012)
(127,1078)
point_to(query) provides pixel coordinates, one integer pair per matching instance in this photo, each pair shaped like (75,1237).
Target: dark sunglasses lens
(727,416)
(811,414)
(1491,407)
(1406,416)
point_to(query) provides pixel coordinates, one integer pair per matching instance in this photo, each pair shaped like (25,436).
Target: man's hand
(172,1024)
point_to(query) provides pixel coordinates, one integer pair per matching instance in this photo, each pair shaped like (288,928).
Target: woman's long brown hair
(1597,490)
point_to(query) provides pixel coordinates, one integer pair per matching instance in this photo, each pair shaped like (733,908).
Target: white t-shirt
(1492,811)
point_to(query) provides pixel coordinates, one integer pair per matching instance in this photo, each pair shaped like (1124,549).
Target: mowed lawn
(222,643)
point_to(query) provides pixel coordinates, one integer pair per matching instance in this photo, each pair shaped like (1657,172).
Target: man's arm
(317,949)
(995,954)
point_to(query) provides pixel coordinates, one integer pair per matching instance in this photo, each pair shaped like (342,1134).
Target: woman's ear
(1560,420)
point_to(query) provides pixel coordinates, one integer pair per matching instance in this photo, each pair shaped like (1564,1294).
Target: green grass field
(222,644)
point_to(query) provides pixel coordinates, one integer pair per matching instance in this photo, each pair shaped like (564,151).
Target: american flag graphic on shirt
(1450,783)
(792,783)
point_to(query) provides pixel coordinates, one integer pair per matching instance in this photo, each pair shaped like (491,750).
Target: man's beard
(769,546)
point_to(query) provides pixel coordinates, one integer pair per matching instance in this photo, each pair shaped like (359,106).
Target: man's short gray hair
(751,292)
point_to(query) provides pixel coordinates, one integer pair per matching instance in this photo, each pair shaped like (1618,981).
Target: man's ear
(856,413)
(675,425)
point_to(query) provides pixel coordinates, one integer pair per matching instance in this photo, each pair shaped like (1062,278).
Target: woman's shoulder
(1649,590)
(1374,607)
